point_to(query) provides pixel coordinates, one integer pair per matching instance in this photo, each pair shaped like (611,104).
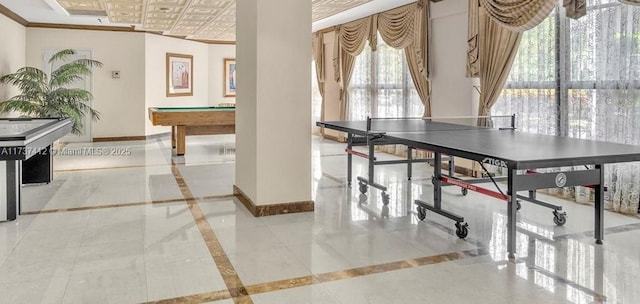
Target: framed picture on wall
(179,75)
(229,77)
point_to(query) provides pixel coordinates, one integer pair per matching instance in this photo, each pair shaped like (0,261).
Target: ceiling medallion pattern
(193,19)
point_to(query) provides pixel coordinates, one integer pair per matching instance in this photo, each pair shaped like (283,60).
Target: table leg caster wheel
(385,198)
(433,180)
(363,188)
(422,213)
(464,191)
(362,198)
(462,230)
(518,205)
(559,218)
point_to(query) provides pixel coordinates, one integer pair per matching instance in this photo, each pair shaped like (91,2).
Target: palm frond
(72,95)
(26,77)
(89,62)
(19,105)
(61,55)
(68,73)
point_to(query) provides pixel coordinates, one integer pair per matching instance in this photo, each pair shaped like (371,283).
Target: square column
(273,106)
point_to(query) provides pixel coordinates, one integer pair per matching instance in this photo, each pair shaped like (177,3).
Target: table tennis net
(434,124)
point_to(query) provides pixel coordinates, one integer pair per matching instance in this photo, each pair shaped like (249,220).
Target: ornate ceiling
(194,19)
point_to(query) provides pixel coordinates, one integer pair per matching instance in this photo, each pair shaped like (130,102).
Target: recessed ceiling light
(164,9)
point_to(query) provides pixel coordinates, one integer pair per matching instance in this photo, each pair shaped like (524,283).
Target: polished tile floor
(127,222)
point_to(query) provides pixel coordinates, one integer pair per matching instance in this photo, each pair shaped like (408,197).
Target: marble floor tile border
(327,277)
(198,298)
(235,287)
(120,205)
(140,166)
(109,168)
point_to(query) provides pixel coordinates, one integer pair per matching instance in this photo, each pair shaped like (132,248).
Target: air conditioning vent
(92,13)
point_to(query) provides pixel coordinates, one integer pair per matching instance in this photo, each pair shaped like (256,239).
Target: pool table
(26,157)
(193,121)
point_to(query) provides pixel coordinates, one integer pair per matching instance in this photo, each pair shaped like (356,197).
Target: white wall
(119,100)
(217,54)
(12,53)
(452,91)
(157,47)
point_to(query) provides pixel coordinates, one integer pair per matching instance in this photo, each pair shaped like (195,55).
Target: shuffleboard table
(26,156)
(193,121)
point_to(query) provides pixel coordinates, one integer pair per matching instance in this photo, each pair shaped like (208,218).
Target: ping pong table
(522,154)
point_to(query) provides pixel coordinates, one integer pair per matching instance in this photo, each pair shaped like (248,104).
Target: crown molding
(214,41)
(83,27)
(13,16)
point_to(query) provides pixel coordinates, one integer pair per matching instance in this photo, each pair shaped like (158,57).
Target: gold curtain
(346,69)
(498,47)
(318,57)
(350,39)
(406,27)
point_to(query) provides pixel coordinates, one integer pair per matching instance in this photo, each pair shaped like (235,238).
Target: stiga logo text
(495,162)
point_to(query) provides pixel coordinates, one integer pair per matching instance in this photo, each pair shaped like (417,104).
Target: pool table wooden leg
(180,139)
(173,136)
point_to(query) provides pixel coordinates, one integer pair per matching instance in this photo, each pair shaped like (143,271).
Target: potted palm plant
(45,95)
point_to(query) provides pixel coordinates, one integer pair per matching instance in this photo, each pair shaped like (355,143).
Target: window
(381,85)
(581,78)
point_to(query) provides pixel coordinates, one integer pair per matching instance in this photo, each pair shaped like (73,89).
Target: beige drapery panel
(498,47)
(350,39)
(404,27)
(318,57)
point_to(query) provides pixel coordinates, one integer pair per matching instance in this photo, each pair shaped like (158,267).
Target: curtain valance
(399,27)
(404,27)
(514,15)
(518,15)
